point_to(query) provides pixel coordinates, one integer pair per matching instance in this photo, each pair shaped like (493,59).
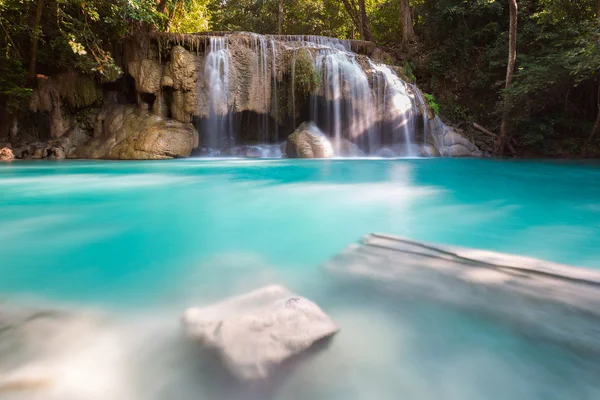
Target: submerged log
(539,298)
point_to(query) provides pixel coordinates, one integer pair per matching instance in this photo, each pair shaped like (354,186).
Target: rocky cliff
(218,91)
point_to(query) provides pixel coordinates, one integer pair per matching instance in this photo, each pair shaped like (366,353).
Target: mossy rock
(306,78)
(82,92)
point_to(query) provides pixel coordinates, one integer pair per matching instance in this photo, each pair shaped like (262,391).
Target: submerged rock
(127,132)
(6,154)
(386,153)
(256,332)
(253,152)
(349,149)
(539,298)
(308,141)
(429,151)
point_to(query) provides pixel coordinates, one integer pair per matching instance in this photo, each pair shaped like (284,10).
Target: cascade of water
(262,87)
(356,99)
(321,41)
(218,129)
(400,109)
(422,104)
(347,96)
(274,96)
(294,88)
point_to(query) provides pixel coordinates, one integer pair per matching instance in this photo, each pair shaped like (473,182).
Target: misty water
(122,248)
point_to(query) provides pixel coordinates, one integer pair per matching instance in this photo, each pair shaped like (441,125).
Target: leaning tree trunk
(408,32)
(35,39)
(280,18)
(512,58)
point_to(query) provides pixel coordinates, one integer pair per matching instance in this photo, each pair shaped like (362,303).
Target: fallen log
(492,134)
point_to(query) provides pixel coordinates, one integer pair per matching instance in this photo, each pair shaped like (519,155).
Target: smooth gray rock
(254,333)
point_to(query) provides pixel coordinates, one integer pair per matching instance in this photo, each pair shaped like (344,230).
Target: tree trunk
(408,33)
(512,58)
(358,15)
(36,28)
(280,18)
(364,21)
(162,5)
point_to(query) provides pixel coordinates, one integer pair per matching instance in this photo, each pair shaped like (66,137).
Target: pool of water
(137,242)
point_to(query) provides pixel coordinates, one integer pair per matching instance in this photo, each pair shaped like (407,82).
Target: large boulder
(254,333)
(6,154)
(450,141)
(308,141)
(131,133)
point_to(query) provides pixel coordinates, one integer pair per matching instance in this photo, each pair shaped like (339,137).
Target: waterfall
(261,74)
(218,129)
(423,105)
(294,88)
(254,92)
(399,110)
(274,98)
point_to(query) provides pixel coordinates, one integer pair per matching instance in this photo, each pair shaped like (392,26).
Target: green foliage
(12,82)
(408,71)
(460,57)
(430,99)
(306,77)
(306,17)
(189,16)
(554,93)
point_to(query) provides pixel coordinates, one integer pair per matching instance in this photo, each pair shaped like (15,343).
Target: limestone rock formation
(6,154)
(449,142)
(256,332)
(239,89)
(129,132)
(308,141)
(147,75)
(54,94)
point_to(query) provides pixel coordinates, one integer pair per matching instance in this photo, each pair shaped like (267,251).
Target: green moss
(83,92)
(306,79)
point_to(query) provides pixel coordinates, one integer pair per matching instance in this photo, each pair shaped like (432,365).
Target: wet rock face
(308,141)
(254,333)
(130,133)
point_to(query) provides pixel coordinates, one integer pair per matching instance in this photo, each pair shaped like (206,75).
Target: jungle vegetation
(526,71)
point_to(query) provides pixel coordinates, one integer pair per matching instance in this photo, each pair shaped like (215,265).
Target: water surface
(140,241)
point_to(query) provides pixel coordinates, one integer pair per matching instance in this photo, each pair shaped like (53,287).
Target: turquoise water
(151,238)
